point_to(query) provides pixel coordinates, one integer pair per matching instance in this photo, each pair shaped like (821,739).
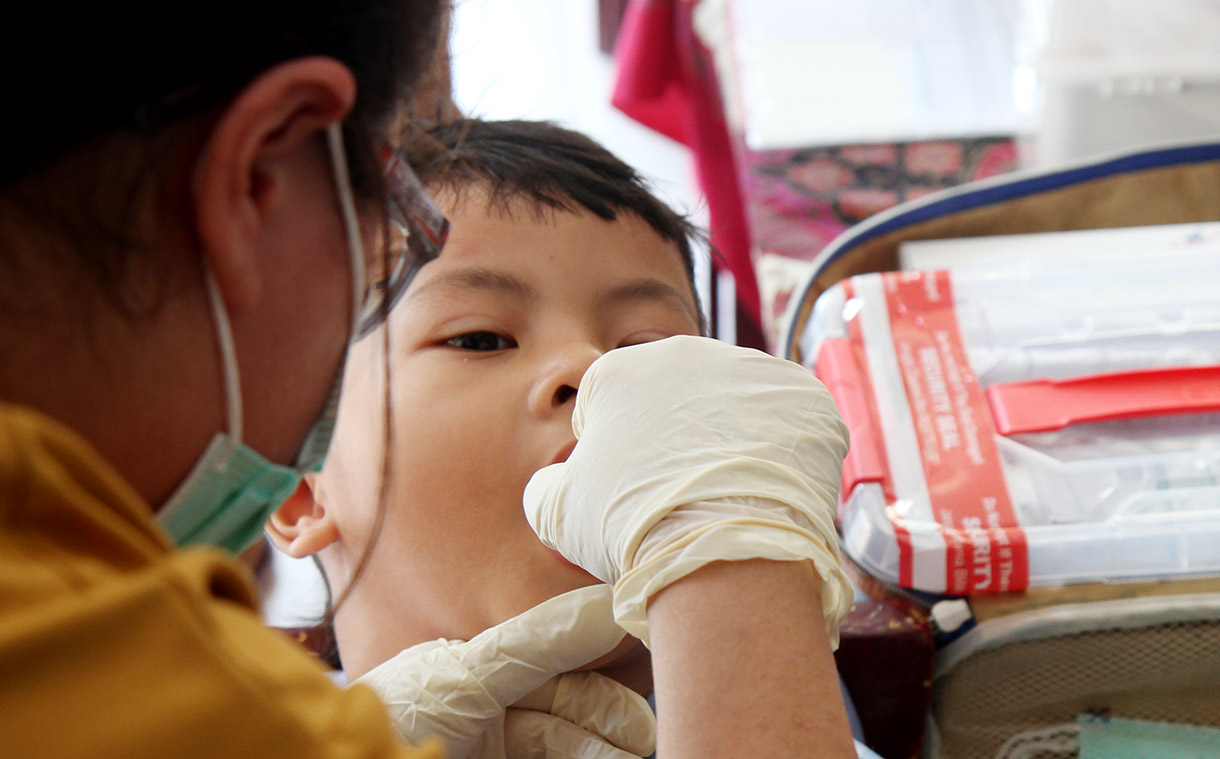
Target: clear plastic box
(1028,424)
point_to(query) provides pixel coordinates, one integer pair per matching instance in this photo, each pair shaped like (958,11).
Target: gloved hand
(461,692)
(580,714)
(691,451)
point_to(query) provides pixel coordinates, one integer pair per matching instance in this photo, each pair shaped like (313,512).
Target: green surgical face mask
(232,490)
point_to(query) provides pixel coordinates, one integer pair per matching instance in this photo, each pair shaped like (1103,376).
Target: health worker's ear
(301,526)
(242,181)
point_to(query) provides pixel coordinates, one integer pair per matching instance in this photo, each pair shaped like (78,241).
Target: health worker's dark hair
(106,100)
(554,168)
(75,74)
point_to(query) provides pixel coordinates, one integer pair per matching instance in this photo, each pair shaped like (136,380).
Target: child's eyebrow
(475,278)
(491,280)
(649,289)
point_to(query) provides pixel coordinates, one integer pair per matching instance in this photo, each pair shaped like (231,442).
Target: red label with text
(985,546)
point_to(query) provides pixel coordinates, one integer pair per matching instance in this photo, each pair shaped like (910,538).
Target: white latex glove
(461,691)
(581,714)
(691,451)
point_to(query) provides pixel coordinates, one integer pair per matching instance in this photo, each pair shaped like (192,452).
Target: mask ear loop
(334,140)
(317,442)
(220,316)
(351,222)
(228,360)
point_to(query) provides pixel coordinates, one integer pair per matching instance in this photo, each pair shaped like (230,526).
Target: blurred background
(781,123)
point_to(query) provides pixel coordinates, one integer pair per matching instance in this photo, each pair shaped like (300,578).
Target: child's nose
(560,377)
(563,394)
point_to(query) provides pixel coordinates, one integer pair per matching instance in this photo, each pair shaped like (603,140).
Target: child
(557,253)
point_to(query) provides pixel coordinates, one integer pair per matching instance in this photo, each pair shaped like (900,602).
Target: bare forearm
(743,667)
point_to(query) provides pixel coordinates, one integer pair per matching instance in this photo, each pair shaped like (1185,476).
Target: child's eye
(480,341)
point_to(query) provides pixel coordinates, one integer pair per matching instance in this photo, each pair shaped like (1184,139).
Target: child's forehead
(478,196)
(519,236)
(476,214)
(480,216)
(474,201)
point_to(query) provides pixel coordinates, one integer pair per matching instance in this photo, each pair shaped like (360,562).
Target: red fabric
(665,81)
(648,84)
(886,658)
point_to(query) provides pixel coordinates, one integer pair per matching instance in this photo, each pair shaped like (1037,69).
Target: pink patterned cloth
(798,200)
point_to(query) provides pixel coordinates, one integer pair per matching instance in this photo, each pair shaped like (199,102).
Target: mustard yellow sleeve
(160,664)
(114,644)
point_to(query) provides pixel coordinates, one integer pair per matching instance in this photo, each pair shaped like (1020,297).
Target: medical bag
(1064,681)
(1098,453)
(1027,422)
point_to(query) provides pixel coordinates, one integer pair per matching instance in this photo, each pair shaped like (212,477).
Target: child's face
(487,348)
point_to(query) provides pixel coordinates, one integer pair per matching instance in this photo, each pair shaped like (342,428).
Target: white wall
(539,59)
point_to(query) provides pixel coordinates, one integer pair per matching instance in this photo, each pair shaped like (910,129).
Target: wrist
(741,648)
(709,532)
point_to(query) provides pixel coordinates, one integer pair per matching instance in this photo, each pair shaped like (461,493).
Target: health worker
(196,221)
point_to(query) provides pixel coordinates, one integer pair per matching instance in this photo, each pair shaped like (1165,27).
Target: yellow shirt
(114,644)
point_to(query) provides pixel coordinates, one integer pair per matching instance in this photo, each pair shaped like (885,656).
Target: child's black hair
(554,168)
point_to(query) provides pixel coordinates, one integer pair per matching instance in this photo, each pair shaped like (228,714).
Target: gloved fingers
(543,503)
(684,419)
(538,735)
(561,634)
(544,510)
(685,373)
(428,692)
(600,705)
(542,698)
(454,689)
(607,708)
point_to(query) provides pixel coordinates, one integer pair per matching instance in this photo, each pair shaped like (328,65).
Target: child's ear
(301,526)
